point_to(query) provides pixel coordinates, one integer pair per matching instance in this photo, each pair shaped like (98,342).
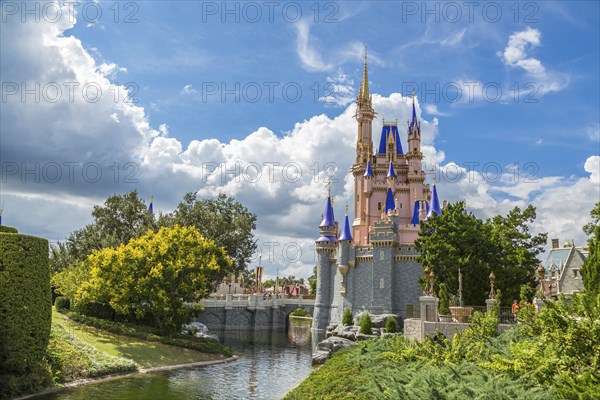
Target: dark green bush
(62,304)
(390,325)
(300,312)
(25,311)
(8,229)
(366,325)
(347,317)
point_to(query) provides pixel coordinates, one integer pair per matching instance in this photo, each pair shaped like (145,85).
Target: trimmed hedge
(152,334)
(8,229)
(25,307)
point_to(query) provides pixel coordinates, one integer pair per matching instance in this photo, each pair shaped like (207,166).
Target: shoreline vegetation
(551,355)
(85,350)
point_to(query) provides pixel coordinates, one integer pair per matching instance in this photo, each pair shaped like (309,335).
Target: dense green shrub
(25,310)
(390,325)
(347,317)
(366,325)
(152,334)
(444,308)
(62,304)
(300,312)
(8,229)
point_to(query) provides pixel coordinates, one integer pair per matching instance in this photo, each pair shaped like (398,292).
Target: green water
(270,364)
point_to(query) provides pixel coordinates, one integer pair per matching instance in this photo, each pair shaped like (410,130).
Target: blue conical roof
(328,217)
(346,233)
(385,132)
(391,172)
(435,203)
(415,217)
(390,204)
(369,171)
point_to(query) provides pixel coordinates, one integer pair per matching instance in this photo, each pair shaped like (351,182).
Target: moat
(270,364)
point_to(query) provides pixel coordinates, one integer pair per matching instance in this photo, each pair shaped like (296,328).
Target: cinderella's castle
(372,265)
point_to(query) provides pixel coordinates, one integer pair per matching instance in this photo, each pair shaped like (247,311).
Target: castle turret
(414,155)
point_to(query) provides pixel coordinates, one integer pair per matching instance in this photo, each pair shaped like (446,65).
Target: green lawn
(146,354)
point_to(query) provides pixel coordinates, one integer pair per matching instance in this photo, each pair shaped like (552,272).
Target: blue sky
(177,57)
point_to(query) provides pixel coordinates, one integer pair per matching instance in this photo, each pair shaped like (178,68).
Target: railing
(255,301)
(505,317)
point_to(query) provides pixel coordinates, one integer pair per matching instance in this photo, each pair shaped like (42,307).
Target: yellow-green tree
(164,274)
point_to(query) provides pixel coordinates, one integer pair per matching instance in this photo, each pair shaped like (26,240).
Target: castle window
(381,255)
(575,273)
(379,206)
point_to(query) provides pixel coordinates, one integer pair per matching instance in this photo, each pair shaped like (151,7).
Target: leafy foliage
(347,317)
(121,218)
(554,354)
(300,312)
(504,245)
(444,307)
(62,304)
(25,311)
(225,221)
(157,274)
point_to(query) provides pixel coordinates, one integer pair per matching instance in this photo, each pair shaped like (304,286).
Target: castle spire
(346,233)
(391,173)
(390,204)
(434,203)
(369,170)
(364,85)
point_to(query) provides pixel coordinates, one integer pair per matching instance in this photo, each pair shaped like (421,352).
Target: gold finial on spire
(413,95)
(328,186)
(346,208)
(364,85)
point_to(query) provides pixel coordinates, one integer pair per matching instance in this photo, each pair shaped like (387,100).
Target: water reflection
(270,365)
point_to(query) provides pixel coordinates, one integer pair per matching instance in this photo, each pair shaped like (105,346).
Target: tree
(456,240)
(312,281)
(391,325)
(366,324)
(121,218)
(225,221)
(269,283)
(591,267)
(160,273)
(347,317)
(515,251)
(504,245)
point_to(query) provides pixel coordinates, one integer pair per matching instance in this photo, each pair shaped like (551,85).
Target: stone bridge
(251,312)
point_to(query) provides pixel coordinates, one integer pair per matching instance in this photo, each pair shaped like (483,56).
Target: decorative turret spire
(346,233)
(369,170)
(364,85)
(391,173)
(328,217)
(434,203)
(390,204)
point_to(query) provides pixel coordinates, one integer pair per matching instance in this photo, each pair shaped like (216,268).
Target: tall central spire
(364,85)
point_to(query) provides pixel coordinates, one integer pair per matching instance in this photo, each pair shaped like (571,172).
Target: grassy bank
(144,353)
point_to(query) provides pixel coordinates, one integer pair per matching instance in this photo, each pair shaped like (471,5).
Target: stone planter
(461,314)
(445,318)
